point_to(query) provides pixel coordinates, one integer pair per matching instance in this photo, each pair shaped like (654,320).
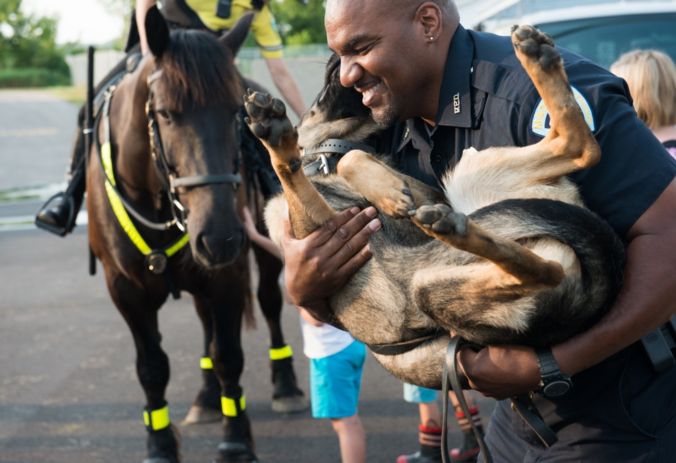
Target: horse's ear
(157,31)
(235,37)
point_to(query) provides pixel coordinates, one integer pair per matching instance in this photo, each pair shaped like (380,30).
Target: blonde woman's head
(651,76)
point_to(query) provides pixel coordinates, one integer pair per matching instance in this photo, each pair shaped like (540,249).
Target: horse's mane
(199,70)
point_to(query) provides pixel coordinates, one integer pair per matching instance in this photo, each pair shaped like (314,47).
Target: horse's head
(194,96)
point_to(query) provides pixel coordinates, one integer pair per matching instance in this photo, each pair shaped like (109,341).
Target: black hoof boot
(57,215)
(235,452)
(287,396)
(163,446)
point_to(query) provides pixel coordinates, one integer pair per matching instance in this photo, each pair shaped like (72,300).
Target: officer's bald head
(389,6)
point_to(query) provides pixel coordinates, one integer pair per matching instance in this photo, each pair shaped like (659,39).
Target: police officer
(58,214)
(447,89)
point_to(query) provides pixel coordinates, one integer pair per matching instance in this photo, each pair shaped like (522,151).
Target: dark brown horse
(165,188)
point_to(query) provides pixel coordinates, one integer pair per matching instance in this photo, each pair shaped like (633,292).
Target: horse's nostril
(210,246)
(218,249)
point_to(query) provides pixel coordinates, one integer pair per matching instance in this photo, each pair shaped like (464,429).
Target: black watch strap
(554,383)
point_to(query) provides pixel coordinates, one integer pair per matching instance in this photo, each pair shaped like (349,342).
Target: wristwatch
(553,382)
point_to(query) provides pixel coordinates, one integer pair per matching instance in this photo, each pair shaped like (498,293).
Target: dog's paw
(441,219)
(395,202)
(267,119)
(534,46)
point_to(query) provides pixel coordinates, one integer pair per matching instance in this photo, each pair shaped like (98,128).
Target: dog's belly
(385,302)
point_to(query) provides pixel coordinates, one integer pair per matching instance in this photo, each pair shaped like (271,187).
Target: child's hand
(256,236)
(249,225)
(307,316)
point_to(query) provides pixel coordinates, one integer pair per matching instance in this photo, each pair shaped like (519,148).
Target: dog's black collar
(337,146)
(329,153)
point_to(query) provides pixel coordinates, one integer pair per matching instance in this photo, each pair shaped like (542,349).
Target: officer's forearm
(647,298)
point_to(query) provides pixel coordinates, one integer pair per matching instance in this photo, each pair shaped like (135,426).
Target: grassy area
(75,95)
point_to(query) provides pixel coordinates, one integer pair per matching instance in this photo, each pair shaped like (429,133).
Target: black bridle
(171,181)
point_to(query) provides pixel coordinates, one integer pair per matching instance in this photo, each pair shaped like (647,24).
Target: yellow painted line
(36,132)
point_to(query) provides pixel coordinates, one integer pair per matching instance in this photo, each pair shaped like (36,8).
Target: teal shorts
(419,395)
(335,382)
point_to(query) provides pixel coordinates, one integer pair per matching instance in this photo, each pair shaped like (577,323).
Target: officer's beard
(385,117)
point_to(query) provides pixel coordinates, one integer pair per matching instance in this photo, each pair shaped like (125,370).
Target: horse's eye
(165,114)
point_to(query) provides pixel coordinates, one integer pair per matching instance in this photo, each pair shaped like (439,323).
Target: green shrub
(32,77)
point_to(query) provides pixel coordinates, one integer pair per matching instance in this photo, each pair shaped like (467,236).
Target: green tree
(28,42)
(299,21)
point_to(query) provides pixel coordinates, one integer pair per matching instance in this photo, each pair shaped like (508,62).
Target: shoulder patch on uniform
(540,123)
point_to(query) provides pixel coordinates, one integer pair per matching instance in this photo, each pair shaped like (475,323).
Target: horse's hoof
(292,404)
(201,415)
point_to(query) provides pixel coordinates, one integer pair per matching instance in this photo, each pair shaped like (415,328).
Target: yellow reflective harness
(158,264)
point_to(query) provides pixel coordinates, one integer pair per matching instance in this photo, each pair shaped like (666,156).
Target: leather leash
(458,383)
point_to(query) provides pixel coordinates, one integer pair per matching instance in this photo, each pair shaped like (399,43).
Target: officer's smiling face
(383,56)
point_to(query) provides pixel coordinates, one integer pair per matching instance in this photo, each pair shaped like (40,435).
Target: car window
(603,40)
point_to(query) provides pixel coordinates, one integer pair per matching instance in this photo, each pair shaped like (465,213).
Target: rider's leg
(58,214)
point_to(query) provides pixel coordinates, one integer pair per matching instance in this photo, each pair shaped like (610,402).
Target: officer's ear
(430,19)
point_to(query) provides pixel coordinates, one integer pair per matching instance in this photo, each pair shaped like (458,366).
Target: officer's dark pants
(619,411)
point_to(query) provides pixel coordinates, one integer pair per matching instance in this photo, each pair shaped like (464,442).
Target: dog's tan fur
(487,280)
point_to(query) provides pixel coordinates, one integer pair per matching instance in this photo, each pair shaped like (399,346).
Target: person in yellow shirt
(221,15)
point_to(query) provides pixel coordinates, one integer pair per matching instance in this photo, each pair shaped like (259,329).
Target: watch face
(556,388)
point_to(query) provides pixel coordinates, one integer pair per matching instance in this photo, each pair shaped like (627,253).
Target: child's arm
(307,316)
(255,236)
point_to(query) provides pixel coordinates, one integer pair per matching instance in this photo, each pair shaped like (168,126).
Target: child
(429,430)
(336,363)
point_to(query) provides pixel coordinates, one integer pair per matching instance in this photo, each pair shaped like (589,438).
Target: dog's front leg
(268,121)
(391,192)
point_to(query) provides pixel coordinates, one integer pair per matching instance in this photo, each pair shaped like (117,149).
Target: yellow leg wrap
(206,363)
(229,406)
(157,419)
(280,353)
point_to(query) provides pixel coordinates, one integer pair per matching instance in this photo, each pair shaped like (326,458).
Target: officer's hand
(501,371)
(321,263)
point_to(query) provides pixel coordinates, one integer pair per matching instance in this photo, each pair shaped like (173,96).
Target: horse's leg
(206,407)
(226,304)
(139,309)
(286,396)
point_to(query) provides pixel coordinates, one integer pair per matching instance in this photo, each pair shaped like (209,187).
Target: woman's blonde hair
(651,76)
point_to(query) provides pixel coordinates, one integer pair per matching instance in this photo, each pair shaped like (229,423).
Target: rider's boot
(58,214)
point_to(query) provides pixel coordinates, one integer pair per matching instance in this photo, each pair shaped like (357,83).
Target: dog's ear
(157,32)
(332,73)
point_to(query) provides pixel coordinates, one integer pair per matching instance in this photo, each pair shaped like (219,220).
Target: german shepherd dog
(508,255)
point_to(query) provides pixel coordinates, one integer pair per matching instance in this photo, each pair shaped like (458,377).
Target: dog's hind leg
(570,141)
(457,230)
(268,121)
(477,301)
(391,192)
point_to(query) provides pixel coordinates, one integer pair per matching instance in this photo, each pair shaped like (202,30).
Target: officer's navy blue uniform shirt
(487,99)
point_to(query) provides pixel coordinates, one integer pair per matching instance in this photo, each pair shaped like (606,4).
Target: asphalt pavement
(68,388)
